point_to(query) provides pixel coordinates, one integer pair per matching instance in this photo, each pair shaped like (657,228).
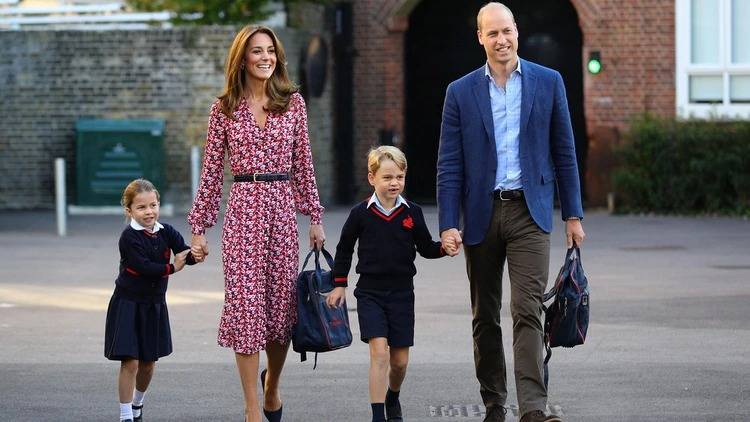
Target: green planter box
(111,153)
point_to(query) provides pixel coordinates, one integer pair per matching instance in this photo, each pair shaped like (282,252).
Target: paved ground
(669,339)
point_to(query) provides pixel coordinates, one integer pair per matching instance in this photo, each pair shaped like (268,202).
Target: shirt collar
(488,74)
(374,200)
(134,224)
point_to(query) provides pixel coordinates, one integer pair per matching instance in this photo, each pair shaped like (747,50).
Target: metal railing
(95,16)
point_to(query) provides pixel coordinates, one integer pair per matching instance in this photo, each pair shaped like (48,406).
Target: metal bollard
(60,200)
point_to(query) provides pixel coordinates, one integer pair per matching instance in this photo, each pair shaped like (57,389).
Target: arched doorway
(441,46)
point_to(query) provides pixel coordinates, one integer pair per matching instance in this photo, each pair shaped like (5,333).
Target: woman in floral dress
(261,122)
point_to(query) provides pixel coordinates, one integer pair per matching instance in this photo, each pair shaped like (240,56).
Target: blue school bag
(319,328)
(566,320)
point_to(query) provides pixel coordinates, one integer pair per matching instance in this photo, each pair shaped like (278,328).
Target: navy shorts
(386,313)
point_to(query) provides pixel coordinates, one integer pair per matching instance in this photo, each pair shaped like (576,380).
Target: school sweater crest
(388,245)
(144,259)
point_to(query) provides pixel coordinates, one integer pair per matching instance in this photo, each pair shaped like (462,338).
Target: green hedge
(684,167)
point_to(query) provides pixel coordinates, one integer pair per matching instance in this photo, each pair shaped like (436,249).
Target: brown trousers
(514,236)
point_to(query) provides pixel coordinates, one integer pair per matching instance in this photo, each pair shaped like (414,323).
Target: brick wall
(637,44)
(378,80)
(49,79)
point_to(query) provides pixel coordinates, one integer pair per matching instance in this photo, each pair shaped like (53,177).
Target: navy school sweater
(387,247)
(144,259)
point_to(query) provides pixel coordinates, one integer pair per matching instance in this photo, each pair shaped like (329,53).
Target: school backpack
(567,318)
(319,328)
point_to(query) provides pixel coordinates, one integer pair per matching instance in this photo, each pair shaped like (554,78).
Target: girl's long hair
(278,87)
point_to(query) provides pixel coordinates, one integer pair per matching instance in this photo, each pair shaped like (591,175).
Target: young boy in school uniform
(390,230)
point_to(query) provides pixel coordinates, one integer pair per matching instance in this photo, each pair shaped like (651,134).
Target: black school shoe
(139,410)
(393,410)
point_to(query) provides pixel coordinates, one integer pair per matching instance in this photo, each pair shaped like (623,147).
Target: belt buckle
(502,198)
(254,180)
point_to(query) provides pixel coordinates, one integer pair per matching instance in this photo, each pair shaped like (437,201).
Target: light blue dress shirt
(506,117)
(375,200)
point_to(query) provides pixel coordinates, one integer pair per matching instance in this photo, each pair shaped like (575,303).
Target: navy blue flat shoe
(271,415)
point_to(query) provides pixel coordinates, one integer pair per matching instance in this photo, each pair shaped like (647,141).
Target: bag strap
(326,255)
(574,252)
(307,258)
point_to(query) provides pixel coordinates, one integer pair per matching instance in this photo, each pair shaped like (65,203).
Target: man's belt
(261,177)
(508,195)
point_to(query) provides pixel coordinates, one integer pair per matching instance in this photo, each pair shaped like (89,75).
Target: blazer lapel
(482,95)
(528,90)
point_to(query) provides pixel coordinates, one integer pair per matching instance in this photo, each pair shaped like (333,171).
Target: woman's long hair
(278,87)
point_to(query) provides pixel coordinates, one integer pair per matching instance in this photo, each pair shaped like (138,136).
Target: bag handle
(326,255)
(314,282)
(573,253)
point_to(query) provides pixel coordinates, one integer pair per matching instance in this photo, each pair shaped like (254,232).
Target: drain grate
(456,411)
(476,410)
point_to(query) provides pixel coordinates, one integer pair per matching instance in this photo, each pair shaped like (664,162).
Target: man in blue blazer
(506,141)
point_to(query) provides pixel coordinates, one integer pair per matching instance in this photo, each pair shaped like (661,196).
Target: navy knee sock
(391,396)
(378,412)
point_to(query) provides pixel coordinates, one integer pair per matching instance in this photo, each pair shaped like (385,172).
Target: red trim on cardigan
(132,271)
(393,215)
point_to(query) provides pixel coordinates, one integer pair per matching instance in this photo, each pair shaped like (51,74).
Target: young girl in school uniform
(137,330)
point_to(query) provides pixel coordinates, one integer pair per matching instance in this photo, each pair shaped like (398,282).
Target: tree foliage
(207,12)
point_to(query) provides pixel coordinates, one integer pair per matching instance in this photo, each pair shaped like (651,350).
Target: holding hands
(179,260)
(199,247)
(451,240)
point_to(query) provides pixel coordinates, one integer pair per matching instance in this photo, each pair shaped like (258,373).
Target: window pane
(740,32)
(739,89)
(704,30)
(706,89)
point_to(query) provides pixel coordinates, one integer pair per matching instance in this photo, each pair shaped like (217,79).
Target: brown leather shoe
(539,416)
(495,414)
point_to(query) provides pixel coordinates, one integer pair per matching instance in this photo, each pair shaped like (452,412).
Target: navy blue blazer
(467,157)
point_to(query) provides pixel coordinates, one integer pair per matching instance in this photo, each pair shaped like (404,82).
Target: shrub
(685,167)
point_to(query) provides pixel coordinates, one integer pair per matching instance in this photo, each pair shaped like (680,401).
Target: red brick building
(666,57)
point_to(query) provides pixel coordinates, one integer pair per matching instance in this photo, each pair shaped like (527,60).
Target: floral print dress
(259,238)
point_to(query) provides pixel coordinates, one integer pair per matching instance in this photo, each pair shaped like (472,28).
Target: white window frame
(684,69)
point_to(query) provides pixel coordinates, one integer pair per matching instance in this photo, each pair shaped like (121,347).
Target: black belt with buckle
(261,177)
(508,195)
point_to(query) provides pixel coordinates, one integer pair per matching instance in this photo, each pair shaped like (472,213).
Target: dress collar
(134,224)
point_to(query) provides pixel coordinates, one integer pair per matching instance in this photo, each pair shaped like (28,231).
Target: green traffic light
(595,66)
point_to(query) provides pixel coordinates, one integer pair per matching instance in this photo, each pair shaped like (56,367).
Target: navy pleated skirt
(137,327)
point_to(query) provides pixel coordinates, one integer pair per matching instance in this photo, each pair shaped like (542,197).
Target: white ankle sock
(126,411)
(138,397)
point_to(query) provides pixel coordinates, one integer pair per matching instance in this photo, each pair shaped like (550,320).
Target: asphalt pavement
(668,341)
